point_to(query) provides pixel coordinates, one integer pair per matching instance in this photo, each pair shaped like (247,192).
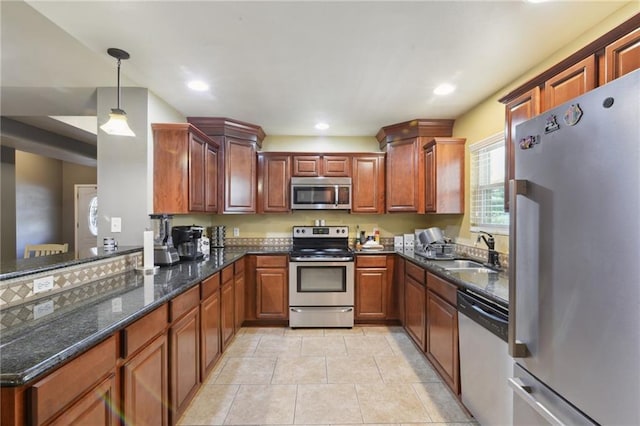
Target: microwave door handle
(336,195)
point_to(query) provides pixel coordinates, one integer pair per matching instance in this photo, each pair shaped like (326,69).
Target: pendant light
(117,124)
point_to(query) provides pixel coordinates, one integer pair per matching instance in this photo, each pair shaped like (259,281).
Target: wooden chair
(44,249)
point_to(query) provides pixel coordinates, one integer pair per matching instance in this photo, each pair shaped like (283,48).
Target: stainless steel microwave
(321,193)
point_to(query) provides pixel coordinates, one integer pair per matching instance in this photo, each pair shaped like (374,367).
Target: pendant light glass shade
(117,124)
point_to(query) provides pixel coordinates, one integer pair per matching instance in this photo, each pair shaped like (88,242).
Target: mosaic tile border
(20,290)
(13,317)
(259,242)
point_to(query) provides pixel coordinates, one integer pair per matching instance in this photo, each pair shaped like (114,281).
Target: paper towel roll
(148,250)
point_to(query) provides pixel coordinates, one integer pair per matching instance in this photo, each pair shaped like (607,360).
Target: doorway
(86,220)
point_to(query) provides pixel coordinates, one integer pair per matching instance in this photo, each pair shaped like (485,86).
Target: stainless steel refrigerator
(575,261)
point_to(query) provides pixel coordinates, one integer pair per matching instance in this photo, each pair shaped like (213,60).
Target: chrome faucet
(493,257)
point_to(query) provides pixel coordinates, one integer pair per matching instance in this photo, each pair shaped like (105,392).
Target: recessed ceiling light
(198,85)
(444,89)
(321,126)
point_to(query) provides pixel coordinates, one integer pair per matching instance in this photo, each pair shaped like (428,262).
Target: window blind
(487,184)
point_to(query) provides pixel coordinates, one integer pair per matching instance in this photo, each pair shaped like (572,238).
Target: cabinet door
(442,339)
(145,385)
(170,169)
(210,343)
(371,293)
(405,177)
(398,287)
(211,179)
(239,288)
(336,166)
(414,305)
(272,293)
(274,174)
(368,185)
(517,111)
(240,176)
(184,361)
(430,176)
(306,165)
(197,149)
(570,83)
(94,408)
(227,316)
(622,56)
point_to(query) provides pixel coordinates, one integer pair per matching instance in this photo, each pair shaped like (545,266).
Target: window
(487,186)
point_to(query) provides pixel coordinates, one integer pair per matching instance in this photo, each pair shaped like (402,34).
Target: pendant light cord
(118,83)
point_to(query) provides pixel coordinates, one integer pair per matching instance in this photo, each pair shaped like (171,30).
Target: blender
(164,253)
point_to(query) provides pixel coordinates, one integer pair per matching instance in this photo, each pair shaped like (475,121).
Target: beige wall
(487,118)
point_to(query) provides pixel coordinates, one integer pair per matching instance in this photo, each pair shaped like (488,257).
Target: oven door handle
(298,310)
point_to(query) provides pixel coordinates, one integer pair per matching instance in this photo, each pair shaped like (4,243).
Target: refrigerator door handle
(524,392)
(517,187)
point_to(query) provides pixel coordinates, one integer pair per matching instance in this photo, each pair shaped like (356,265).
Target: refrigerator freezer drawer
(536,404)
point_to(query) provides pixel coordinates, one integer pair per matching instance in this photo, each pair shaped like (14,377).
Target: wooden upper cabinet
(274,182)
(182,182)
(197,154)
(403,143)
(336,165)
(521,109)
(574,81)
(321,165)
(405,177)
(211,177)
(240,176)
(444,175)
(237,169)
(306,165)
(622,56)
(368,179)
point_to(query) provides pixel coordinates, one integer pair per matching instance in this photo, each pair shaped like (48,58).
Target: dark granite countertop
(494,287)
(33,347)
(21,267)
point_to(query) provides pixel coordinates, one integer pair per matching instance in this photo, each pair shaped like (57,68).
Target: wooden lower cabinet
(414,310)
(272,287)
(184,355)
(227,307)
(93,408)
(68,394)
(238,294)
(210,342)
(373,287)
(442,339)
(145,385)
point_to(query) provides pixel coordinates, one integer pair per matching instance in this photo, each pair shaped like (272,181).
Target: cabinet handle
(517,187)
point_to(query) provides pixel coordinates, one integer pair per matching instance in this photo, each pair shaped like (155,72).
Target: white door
(86,235)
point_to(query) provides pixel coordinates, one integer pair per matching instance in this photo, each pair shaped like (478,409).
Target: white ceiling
(283,65)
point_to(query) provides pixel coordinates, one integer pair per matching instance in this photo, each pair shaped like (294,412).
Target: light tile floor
(364,375)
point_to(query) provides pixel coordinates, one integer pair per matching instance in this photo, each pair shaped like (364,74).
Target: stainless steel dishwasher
(485,364)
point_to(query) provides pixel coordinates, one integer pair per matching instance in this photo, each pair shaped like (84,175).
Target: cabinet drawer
(210,285)
(61,387)
(366,261)
(272,261)
(442,288)
(238,266)
(144,330)
(415,272)
(227,274)
(183,303)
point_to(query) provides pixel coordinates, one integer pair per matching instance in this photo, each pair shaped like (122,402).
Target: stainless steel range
(321,277)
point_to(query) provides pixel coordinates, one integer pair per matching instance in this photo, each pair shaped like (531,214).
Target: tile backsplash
(19,290)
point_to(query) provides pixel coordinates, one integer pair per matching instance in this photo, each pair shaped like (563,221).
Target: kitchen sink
(465,265)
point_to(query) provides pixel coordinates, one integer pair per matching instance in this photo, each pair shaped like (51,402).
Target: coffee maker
(164,253)
(187,240)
